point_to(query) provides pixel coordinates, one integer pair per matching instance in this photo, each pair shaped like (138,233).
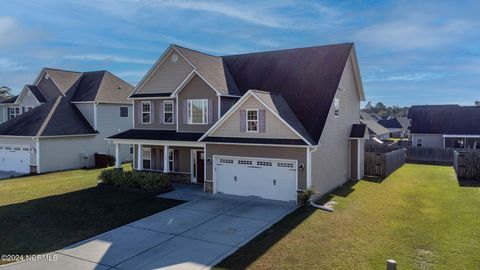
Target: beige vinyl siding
(429,140)
(156,120)
(277,152)
(28,100)
(87,111)
(48,88)
(168,76)
(330,163)
(274,127)
(196,88)
(63,153)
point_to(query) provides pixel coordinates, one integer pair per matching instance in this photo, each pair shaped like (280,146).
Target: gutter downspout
(310,150)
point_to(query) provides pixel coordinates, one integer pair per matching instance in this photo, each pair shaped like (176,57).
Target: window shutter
(160,111)
(261,121)
(243,121)
(175,160)
(210,111)
(185,112)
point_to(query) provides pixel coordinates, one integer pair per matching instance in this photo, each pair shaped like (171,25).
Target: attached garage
(275,179)
(15,158)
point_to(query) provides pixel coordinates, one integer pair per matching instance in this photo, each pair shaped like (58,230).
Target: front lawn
(419,216)
(47,212)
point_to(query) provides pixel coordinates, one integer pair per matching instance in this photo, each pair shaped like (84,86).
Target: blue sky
(410,52)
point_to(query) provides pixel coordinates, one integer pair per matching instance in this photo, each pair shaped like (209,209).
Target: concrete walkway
(195,235)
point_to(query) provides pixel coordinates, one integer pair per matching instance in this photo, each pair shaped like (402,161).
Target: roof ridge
(290,49)
(100,86)
(197,51)
(64,70)
(49,116)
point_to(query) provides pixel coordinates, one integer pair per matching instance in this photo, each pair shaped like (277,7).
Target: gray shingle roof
(37,93)
(374,127)
(102,86)
(307,78)
(358,131)
(453,120)
(212,68)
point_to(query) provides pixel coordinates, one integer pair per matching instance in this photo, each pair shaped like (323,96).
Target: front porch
(186,161)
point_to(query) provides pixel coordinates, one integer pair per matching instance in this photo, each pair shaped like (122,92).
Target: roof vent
(47,76)
(119,87)
(174,58)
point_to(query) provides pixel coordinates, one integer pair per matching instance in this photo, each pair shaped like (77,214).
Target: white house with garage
(62,119)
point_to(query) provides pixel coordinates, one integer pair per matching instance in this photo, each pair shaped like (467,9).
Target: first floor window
(146,110)
(168,112)
(419,142)
(123,112)
(252,120)
(131,149)
(197,111)
(147,158)
(13,112)
(171,160)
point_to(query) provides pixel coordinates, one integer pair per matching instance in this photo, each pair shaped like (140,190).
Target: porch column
(118,164)
(165,159)
(139,158)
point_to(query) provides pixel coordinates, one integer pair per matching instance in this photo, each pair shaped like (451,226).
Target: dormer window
(252,120)
(146,112)
(197,111)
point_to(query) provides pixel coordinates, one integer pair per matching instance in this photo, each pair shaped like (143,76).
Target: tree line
(384,111)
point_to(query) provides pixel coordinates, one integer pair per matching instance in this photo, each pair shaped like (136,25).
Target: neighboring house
(262,124)
(375,130)
(60,121)
(422,107)
(399,127)
(446,127)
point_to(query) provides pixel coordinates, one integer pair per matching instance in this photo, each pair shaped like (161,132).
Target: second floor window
(197,111)
(123,112)
(168,112)
(13,112)
(146,111)
(252,120)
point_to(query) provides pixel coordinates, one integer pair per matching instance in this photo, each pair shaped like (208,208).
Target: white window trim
(149,112)
(121,112)
(16,113)
(147,149)
(204,111)
(246,120)
(172,112)
(419,140)
(172,160)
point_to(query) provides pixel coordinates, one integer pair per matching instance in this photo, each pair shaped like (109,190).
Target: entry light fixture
(209,161)
(301,167)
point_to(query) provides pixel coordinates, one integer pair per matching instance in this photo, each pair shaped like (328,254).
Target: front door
(200,166)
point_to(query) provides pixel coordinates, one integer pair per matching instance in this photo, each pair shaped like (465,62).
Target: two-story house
(62,119)
(263,124)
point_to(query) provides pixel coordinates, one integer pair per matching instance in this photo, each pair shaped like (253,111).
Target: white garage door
(15,158)
(266,178)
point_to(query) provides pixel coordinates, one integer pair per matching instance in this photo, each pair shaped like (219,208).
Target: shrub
(138,180)
(304,197)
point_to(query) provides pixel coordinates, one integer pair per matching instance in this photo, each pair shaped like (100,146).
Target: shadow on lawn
(50,223)
(254,249)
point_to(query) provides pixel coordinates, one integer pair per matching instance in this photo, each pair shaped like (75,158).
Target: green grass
(419,216)
(47,212)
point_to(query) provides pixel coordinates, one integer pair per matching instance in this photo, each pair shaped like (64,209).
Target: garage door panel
(15,158)
(266,178)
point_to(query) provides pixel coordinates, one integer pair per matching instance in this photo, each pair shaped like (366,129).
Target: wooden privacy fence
(467,164)
(383,164)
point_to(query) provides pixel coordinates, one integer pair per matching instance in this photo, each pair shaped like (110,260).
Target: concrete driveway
(194,235)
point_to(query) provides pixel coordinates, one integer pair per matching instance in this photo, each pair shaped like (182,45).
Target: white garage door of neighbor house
(15,158)
(266,178)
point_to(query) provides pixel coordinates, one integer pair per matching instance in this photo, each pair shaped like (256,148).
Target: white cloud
(108,58)
(403,77)
(414,33)
(13,34)
(7,65)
